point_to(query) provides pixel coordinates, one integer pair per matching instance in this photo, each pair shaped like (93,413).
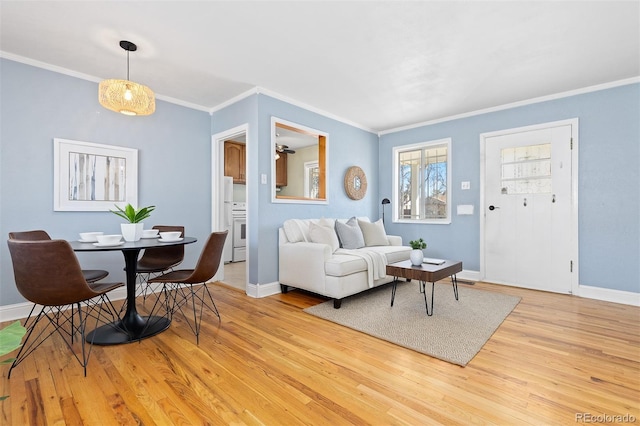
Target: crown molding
(75,74)
(555,96)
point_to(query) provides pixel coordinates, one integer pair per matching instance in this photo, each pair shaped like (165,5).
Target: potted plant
(10,340)
(416,254)
(132,230)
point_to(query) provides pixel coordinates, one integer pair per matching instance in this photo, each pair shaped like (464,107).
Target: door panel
(528,231)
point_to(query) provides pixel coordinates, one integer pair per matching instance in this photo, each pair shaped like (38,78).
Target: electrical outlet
(465,185)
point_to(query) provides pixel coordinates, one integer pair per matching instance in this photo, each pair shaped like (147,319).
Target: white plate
(148,238)
(119,243)
(161,240)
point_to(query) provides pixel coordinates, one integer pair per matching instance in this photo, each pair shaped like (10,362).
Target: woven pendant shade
(126,97)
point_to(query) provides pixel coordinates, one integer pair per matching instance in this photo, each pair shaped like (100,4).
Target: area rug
(455,333)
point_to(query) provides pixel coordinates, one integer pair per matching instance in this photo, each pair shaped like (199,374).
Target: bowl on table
(109,239)
(170,236)
(149,233)
(90,237)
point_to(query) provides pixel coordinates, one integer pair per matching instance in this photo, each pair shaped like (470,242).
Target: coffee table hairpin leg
(454,283)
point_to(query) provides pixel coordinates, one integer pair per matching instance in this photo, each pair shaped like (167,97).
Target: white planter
(132,231)
(416,257)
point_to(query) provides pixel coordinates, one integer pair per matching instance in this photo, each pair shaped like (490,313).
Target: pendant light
(125,96)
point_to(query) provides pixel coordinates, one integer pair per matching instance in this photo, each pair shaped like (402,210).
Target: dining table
(130,327)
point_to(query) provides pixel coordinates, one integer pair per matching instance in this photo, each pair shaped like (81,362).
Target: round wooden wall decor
(355,183)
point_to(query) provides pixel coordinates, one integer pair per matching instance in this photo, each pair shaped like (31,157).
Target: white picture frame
(93,177)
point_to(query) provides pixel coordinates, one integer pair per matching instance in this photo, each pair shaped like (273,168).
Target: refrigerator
(227,252)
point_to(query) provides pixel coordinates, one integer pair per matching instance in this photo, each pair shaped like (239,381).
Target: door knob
(492,208)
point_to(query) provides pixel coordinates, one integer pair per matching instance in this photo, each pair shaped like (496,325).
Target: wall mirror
(299,166)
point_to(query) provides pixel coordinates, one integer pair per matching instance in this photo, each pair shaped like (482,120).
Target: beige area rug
(455,333)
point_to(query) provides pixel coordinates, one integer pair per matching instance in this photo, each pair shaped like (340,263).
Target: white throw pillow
(350,234)
(374,233)
(295,229)
(323,235)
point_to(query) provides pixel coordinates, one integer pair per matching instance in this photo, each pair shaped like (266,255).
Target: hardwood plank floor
(268,363)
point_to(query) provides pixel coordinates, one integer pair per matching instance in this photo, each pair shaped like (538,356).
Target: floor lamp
(385,201)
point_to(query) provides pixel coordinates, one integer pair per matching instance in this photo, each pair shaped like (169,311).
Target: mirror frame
(323,163)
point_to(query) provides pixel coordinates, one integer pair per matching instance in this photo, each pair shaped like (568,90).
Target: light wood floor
(268,363)
(235,275)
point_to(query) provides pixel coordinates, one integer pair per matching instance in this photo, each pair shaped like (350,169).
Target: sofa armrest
(394,240)
(301,265)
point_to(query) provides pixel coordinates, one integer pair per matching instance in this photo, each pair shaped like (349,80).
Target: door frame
(573,122)
(217,183)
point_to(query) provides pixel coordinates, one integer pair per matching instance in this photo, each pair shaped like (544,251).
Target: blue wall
(173,165)
(608,189)
(175,172)
(347,146)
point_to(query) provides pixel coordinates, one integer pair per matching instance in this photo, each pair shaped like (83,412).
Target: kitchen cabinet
(235,161)
(281,170)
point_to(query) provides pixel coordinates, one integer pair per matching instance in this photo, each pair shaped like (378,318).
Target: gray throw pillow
(350,234)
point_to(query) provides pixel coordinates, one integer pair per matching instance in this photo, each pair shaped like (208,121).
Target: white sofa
(310,259)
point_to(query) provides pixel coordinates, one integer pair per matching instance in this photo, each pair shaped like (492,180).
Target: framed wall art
(93,177)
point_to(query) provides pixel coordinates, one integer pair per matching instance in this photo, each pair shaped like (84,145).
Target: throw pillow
(374,233)
(294,229)
(323,235)
(350,234)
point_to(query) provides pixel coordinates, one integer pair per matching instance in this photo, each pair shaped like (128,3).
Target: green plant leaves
(418,244)
(132,215)
(11,339)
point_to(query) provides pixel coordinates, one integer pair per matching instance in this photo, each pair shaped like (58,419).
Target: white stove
(239,231)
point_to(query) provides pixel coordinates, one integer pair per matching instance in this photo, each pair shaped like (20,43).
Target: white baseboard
(263,290)
(467,275)
(609,295)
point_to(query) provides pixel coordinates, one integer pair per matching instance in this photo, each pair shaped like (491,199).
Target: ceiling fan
(284,149)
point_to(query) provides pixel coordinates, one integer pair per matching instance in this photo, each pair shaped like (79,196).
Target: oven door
(239,232)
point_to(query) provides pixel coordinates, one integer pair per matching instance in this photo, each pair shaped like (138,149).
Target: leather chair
(187,286)
(91,275)
(47,273)
(155,261)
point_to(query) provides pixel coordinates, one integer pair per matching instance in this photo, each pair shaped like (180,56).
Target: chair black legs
(191,297)
(62,320)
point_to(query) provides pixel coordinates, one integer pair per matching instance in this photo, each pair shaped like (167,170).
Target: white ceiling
(376,64)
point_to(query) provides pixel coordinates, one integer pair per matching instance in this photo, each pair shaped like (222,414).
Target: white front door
(528,208)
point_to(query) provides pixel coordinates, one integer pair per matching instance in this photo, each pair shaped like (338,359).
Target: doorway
(529,207)
(224,200)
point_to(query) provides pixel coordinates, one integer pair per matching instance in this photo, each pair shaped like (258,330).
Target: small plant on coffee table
(418,244)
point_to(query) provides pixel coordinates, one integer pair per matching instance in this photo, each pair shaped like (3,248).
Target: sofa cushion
(340,265)
(350,234)
(373,233)
(296,230)
(323,235)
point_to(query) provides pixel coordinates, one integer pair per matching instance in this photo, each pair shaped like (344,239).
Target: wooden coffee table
(425,273)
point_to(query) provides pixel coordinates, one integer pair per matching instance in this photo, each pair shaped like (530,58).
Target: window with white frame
(422,182)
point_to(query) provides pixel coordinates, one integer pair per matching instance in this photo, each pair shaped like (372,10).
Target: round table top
(143,243)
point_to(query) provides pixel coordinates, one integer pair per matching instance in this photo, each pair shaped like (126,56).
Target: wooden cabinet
(281,170)
(235,161)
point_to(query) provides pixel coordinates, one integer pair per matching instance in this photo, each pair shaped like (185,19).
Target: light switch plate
(263,178)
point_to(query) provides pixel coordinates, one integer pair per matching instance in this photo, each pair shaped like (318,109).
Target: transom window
(423,176)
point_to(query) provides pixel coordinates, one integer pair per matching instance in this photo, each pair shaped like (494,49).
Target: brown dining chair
(47,273)
(155,261)
(187,286)
(91,275)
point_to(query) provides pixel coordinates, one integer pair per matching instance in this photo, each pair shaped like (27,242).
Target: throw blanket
(376,262)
